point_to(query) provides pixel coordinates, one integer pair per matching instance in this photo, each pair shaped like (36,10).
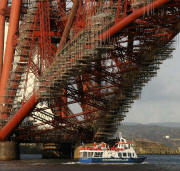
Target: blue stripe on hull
(107,160)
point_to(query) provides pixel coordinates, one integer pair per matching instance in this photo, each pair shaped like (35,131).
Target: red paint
(31,103)
(9,53)
(18,117)
(127,20)
(3,5)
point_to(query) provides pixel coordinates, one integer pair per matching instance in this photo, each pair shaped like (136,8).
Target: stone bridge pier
(9,150)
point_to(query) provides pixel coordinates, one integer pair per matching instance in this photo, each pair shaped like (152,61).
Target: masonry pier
(9,150)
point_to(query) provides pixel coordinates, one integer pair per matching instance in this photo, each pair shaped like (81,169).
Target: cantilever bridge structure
(70,70)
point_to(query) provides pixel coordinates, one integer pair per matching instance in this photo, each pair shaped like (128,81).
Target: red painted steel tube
(3,4)
(20,115)
(64,38)
(30,104)
(127,20)
(9,52)
(69,24)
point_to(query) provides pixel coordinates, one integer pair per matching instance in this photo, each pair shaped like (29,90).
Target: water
(35,163)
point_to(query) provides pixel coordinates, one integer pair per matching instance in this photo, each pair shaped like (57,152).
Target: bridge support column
(9,150)
(61,150)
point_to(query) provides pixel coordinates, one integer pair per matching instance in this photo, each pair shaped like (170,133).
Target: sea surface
(35,163)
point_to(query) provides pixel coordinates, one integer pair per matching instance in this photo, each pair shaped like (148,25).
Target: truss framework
(78,66)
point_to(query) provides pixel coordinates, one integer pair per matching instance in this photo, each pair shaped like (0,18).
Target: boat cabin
(107,154)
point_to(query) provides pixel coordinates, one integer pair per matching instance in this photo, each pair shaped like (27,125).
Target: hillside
(143,146)
(167,135)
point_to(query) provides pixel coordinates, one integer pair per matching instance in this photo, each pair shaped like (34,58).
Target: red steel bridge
(71,69)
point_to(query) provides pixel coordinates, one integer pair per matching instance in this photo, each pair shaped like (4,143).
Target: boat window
(84,154)
(126,146)
(81,154)
(120,155)
(129,155)
(124,154)
(90,154)
(98,154)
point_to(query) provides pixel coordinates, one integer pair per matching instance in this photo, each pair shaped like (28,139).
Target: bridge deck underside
(99,73)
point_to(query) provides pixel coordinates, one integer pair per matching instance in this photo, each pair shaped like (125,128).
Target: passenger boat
(121,152)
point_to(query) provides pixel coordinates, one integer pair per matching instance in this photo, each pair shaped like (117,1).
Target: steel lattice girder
(31,103)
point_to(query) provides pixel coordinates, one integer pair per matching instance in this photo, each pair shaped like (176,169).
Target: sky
(160,98)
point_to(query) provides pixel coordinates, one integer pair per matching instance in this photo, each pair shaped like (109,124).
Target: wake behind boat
(121,152)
